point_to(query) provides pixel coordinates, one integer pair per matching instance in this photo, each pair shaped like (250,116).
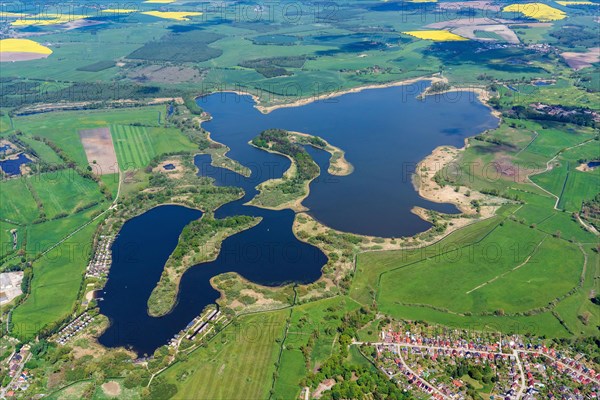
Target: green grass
(112,183)
(461,272)
(133,146)
(137,145)
(44,152)
(322,316)
(405,284)
(63,128)
(6,238)
(371,265)
(55,286)
(42,236)
(237,364)
(544,324)
(16,202)
(63,192)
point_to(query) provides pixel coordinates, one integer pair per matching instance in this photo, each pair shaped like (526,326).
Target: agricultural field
(102,101)
(18,204)
(247,348)
(62,128)
(137,145)
(55,288)
(512,259)
(65,192)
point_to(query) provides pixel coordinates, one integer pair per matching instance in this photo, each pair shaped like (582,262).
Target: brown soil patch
(98,146)
(327,384)
(112,389)
(578,61)
(165,74)
(175,173)
(10,56)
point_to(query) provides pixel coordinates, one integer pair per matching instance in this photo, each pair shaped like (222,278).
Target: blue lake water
(384,132)
(593,164)
(13,167)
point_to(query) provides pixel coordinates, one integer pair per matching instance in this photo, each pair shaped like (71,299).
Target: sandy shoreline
(339,166)
(304,101)
(295,204)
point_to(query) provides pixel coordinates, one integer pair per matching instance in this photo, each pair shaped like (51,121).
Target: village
(459,364)
(18,376)
(76,326)
(102,259)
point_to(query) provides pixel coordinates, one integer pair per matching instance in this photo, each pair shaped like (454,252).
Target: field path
(549,167)
(112,206)
(511,270)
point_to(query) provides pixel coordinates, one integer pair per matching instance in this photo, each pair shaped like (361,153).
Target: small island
(293,187)
(200,241)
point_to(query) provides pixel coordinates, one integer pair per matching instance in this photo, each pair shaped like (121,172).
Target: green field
(55,287)
(244,353)
(6,239)
(62,128)
(320,320)
(137,145)
(16,202)
(133,146)
(64,192)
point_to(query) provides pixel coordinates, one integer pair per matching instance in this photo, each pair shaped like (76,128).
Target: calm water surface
(384,132)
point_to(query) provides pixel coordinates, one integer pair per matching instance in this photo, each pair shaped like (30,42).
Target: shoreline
(346,167)
(308,100)
(294,205)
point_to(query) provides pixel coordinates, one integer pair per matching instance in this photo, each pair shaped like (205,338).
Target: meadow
(244,353)
(62,128)
(65,192)
(55,286)
(313,327)
(137,145)
(18,204)
(477,278)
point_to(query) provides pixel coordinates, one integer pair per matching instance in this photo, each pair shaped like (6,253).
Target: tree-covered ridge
(291,189)
(279,141)
(198,232)
(200,241)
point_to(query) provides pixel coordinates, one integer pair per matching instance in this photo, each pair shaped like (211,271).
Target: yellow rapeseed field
(539,11)
(436,35)
(178,16)
(576,3)
(22,46)
(7,14)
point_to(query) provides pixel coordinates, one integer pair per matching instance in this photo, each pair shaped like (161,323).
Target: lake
(13,165)
(384,132)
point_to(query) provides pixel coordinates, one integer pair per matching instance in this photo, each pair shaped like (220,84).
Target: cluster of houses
(408,360)
(196,327)
(100,263)
(20,377)
(76,326)
(559,111)
(522,370)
